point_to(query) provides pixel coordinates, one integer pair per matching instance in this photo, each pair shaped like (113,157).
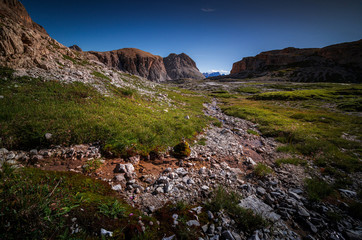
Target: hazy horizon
(215,34)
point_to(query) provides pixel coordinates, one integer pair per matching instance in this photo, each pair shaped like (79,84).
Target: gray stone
(11,155)
(106,233)
(205,228)
(181,172)
(193,223)
(205,188)
(48,136)
(354,234)
(117,187)
(311,226)
(348,193)
(119,178)
(197,210)
(259,207)
(303,212)
(3,151)
(260,191)
(169,238)
(210,215)
(33,152)
(226,235)
(211,229)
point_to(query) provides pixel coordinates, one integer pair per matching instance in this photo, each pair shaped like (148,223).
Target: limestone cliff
(181,66)
(335,63)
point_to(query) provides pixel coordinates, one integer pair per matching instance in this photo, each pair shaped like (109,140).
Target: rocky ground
(226,158)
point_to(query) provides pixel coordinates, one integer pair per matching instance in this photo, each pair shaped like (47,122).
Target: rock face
(340,62)
(16,11)
(23,43)
(181,66)
(149,66)
(134,61)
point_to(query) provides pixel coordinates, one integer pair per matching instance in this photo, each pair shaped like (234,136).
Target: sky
(214,33)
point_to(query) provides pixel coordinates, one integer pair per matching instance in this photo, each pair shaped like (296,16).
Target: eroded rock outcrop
(335,63)
(181,66)
(134,61)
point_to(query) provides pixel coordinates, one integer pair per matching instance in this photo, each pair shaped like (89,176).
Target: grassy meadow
(125,122)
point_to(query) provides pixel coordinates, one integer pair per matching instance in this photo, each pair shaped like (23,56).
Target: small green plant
(66,57)
(317,189)
(101,75)
(113,209)
(217,123)
(250,131)
(202,141)
(262,170)
(182,150)
(92,165)
(228,201)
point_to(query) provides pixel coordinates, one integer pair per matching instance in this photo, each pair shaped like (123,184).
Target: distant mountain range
(213,74)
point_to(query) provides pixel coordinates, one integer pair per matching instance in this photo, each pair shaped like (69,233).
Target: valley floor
(239,182)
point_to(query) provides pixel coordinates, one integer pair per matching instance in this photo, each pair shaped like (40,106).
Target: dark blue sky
(215,33)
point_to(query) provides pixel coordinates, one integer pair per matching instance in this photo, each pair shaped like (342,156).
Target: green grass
(40,205)
(66,57)
(77,113)
(317,189)
(101,75)
(313,133)
(250,131)
(251,90)
(244,218)
(262,170)
(294,161)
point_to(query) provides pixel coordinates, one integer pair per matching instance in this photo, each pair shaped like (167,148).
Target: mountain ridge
(338,62)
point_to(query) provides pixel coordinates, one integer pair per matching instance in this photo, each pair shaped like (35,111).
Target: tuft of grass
(202,141)
(182,150)
(228,201)
(66,57)
(250,131)
(317,189)
(101,75)
(251,90)
(294,161)
(112,209)
(217,123)
(92,165)
(262,170)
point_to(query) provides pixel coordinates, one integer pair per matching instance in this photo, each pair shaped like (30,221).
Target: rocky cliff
(181,66)
(340,62)
(133,61)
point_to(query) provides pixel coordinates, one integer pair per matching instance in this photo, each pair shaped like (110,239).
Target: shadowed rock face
(340,62)
(16,11)
(181,66)
(134,61)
